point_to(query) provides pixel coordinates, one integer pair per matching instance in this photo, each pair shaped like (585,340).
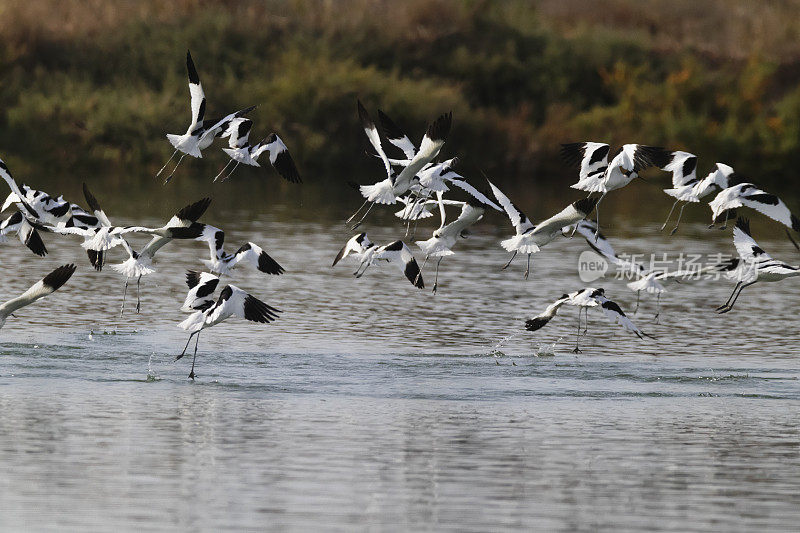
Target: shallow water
(372,405)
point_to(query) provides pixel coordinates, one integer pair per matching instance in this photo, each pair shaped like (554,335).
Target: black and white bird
(140,263)
(755,265)
(221,262)
(28,235)
(47,285)
(51,210)
(693,190)
(5,173)
(748,195)
(206,313)
(387,190)
(242,152)
(530,237)
(597,175)
(200,133)
(584,299)
(357,245)
(396,252)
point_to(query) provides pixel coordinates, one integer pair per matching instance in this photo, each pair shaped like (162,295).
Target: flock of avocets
(418,181)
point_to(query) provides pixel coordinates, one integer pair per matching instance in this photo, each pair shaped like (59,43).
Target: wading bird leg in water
(509,261)
(638,295)
(578,336)
(678,223)
(436,278)
(586,321)
(664,225)
(725,225)
(138,300)
(124,293)
(187,345)
(528,268)
(197,340)
(658,307)
(727,307)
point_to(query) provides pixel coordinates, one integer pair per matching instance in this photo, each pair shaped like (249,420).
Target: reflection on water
(370,404)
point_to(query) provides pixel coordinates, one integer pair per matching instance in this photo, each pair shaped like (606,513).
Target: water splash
(151,374)
(547,350)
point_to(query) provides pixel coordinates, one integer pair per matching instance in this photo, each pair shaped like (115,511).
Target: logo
(591,266)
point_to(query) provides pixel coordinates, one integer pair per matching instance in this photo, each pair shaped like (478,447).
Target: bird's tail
(194,322)
(517,243)
(186,143)
(380,193)
(133,268)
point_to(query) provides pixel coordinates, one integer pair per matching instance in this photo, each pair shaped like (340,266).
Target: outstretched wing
(356,244)
(683,166)
(518,219)
(374,137)
(201,291)
(399,253)
(770,205)
(396,136)
(253,255)
(198,98)
(279,157)
(616,315)
(591,157)
(746,246)
(47,285)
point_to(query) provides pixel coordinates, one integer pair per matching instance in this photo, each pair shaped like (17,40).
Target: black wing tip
(390,129)
(194,211)
(363,115)
(94,205)
(440,127)
(35,243)
(192,232)
(571,153)
(96,259)
(193,77)
(257,311)
(585,205)
(59,276)
(536,323)
(795,223)
(414,275)
(284,165)
(192,278)
(743,224)
(268,265)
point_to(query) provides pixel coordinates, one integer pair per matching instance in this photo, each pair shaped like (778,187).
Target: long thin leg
(187,345)
(597,216)
(174,169)
(669,215)
(678,223)
(357,224)
(167,163)
(231,172)
(586,321)
(509,261)
(223,170)
(356,213)
(658,307)
(436,278)
(638,297)
(359,274)
(138,299)
(578,336)
(736,288)
(528,268)
(197,340)
(124,293)
(727,215)
(730,306)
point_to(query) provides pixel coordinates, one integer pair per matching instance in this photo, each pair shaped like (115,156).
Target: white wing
(572,214)
(396,136)
(279,157)
(592,158)
(374,137)
(357,244)
(399,253)
(770,205)
(201,291)
(253,255)
(233,301)
(521,223)
(198,98)
(238,132)
(615,314)
(429,148)
(47,285)
(746,246)
(683,166)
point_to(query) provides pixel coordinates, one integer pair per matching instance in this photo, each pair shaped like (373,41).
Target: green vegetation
(93,86)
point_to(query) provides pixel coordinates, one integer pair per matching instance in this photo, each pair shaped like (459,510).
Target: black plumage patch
(599,154)
(194,211)
(244,128)
(612,306)
(35,244)
(268,265)
(572,153)
(59,276)
(440,128)
(585,205)
(390,129)
(192,278)
(14,219)
(94,205)
(413,274)
(757,250)
(193,77)
(284,165)
(536,323)
(743,224)
(764,198)
(363,116)
(795,223)
(60,211)
(208,288)
(97,259)
(396,246)
(257,311)
(689,165)
(201,110)
(193,231)
(86,220)
(598,292)
(219,239)
(243,112)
